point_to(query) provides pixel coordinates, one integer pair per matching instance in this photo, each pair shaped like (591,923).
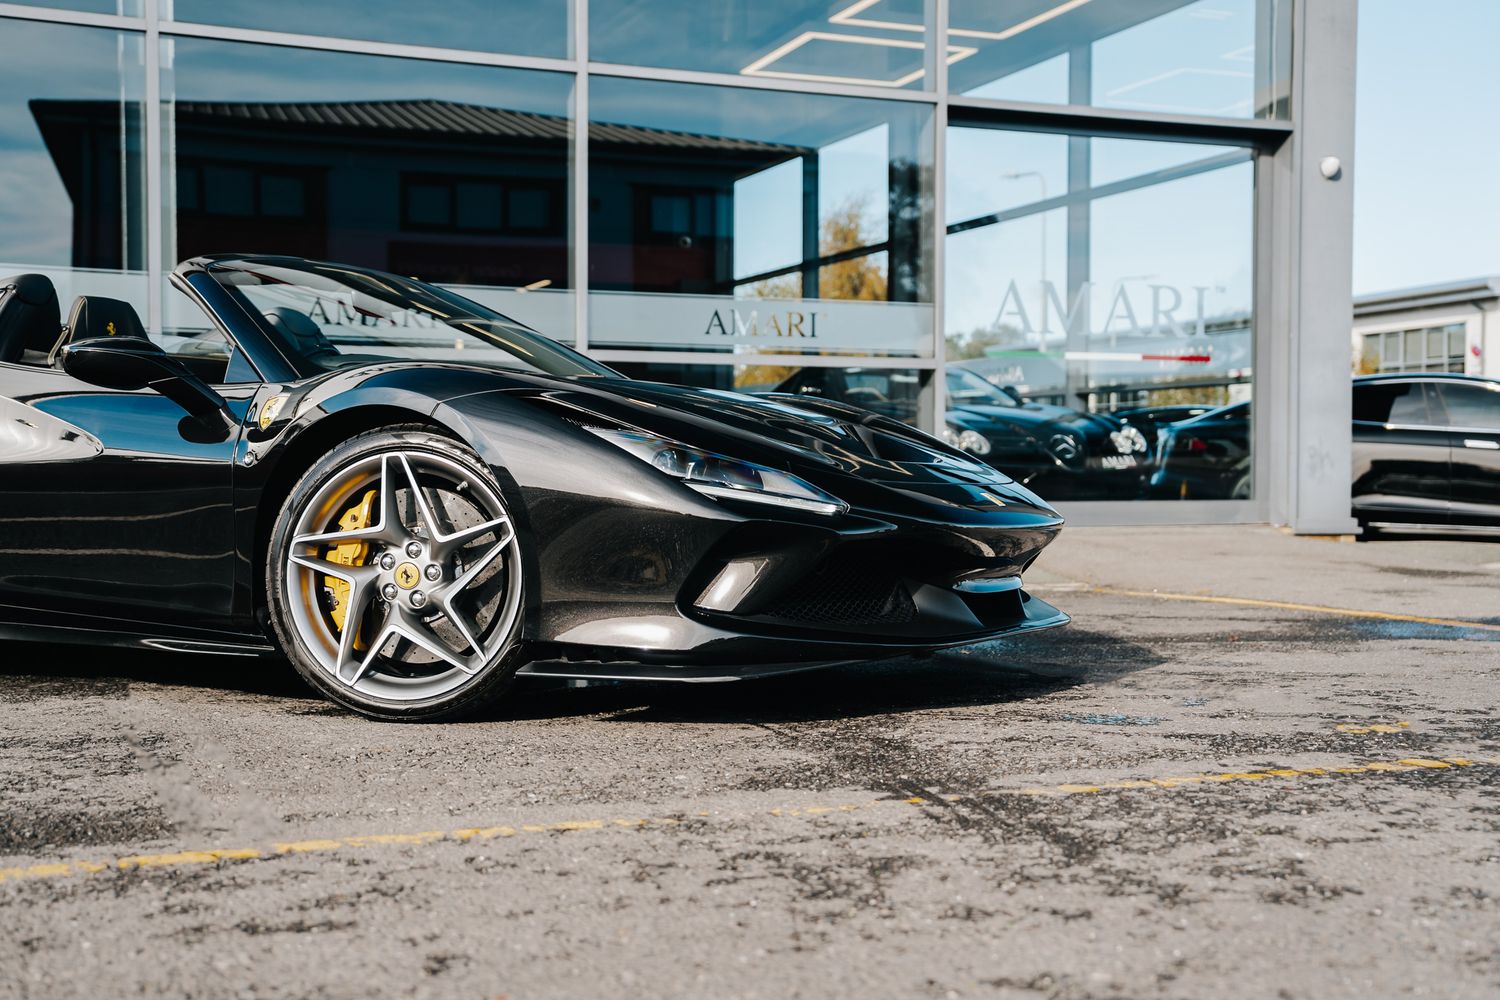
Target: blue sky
(1427,150)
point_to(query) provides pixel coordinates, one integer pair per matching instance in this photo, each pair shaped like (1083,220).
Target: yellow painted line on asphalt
(469,835)
(1405,764)
(1321,609)
(1377,727)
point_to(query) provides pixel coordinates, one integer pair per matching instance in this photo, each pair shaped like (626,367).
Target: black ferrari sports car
(413,498)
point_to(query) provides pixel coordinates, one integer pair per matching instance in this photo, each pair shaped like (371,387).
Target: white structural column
(1304,391)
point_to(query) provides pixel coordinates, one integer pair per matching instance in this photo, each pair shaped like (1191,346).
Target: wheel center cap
(407,575)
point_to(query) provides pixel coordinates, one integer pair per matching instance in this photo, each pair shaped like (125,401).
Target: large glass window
(1107,283)
(900,393)
(732,220)
(809,40)
(523,27)
(1224,58)
(72,181)
(451,173)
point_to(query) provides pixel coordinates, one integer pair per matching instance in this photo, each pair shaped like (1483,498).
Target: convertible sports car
(413,498)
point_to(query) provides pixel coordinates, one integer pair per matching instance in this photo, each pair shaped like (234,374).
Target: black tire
(477,691)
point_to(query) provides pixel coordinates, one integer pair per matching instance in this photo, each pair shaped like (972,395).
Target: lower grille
(845,593)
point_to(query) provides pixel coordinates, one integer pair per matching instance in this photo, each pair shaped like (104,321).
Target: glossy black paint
(1426,451)
(124,519)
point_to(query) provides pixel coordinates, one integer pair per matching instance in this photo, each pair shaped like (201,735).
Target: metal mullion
(937,387)
(721,359)
(151,114)
(76,17)
(188,29)
(760,83)
(1110,122)
(580,191)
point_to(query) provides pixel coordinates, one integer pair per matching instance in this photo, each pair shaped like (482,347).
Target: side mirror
(130,363)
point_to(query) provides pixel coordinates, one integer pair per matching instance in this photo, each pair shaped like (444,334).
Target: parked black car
(1204,458)
(1148,419)
(1066,453)
(414,498)
(1426,453)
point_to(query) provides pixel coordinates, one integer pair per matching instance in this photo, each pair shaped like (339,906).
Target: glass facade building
(1077,201)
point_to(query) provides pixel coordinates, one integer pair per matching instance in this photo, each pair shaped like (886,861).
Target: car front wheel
(394,578)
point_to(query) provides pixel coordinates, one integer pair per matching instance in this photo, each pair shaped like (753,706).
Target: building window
(478,205)
(382,162)
(227,190)
(524,27)
(1426,349)
(71,132)
(733,221)
(811,41)
(1220,58)
(1106,275)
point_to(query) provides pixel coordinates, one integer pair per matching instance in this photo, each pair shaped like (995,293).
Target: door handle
(1482,443)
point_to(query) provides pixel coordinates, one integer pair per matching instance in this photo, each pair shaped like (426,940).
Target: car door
(114,503)
(1401,468)
(1473,416)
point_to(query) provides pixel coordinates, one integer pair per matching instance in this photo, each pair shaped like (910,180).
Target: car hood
(828,443)
(1033,415)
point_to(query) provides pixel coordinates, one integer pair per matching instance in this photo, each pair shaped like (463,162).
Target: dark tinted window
(1472,405)
(1392,403)
(401,165)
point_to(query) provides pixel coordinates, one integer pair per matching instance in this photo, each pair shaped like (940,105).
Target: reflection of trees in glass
(762,377)
(861,278)
(977,342)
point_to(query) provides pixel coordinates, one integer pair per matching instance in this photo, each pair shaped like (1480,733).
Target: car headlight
(718,475)
(972,442)
(1128,439)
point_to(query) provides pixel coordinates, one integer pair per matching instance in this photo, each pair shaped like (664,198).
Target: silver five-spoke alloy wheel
(402,576)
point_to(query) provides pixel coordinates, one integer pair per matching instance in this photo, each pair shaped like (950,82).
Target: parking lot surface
(1255,765)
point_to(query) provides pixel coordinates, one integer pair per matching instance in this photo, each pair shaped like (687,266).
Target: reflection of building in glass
(1116,213)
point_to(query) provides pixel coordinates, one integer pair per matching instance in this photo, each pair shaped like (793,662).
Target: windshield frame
(996,396)
(558,360)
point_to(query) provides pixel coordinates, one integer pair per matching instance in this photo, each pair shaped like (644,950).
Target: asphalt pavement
(1254,766)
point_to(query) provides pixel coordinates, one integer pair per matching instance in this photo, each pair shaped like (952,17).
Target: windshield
(334,316)
(968,387)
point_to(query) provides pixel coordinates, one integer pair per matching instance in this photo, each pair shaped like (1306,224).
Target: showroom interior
(1096,205)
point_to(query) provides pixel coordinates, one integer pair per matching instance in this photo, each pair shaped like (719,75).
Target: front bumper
(788,593)
(717,655)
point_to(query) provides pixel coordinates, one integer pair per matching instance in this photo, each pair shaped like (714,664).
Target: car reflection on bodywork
(1204,458)
(1066,453)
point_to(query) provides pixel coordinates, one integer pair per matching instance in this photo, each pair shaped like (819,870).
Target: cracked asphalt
(942,828)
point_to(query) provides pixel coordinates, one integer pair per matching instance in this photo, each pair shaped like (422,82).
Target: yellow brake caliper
(348,554)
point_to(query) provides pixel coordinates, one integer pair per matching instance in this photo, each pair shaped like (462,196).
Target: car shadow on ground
(29,670)
(992,673)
